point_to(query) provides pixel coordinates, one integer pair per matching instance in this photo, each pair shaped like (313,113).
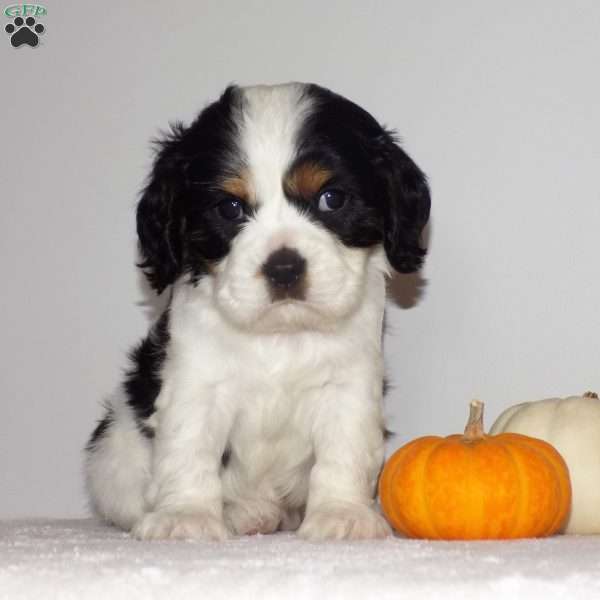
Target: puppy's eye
(330,200)
(231,209)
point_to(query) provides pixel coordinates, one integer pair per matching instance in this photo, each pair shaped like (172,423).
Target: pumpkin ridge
(388,486)
(555,461)
(565,494)
(421,495)
(490,443)
(471,478)
(386,489)
(424,496)
(523,490)
(523,441)
(557,491)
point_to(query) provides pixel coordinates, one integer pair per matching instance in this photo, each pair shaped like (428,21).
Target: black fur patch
(387,195)
(100,430)
(143,383)
(178,223)
(385,388)
(226,457)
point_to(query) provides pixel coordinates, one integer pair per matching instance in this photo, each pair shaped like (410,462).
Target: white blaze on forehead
(271,119)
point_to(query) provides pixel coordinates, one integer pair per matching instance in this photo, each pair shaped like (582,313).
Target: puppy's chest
(277,399)
(277,405)
(268,388)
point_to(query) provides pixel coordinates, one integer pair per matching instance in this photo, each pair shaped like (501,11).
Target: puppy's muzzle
(285,271)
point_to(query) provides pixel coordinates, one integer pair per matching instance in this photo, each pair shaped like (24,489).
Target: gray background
(497,101)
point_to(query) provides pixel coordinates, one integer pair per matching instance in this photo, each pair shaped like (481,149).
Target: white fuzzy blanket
(82,559)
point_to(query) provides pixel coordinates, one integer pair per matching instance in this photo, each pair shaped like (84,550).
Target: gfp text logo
(25,10)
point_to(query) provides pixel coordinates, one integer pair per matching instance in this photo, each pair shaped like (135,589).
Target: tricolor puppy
(254,404)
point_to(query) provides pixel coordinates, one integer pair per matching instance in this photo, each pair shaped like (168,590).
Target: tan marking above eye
(238,186)
(306,180)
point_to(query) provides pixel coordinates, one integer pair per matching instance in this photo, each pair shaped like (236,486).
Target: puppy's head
(277,197)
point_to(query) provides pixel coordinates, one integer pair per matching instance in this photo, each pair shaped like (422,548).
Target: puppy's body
(255,403)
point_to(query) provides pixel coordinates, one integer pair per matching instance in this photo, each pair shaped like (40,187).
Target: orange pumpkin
(476,486)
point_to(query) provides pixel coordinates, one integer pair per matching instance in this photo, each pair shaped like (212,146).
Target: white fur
(292,388)
(117,489)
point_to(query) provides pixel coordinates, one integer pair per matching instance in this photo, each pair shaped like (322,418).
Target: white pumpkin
(572,426)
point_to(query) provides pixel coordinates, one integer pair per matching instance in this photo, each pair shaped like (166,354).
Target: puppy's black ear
(160,221)
(406,207)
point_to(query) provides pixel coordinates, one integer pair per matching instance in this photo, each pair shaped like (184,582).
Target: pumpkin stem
(474,429)
(590,395)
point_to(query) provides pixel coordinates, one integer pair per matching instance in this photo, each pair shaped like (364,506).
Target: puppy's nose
(284,268)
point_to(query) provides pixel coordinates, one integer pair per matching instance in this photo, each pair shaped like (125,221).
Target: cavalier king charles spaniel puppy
(255,402)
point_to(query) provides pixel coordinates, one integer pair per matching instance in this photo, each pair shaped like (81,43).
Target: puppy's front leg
(185,493)
(349,450)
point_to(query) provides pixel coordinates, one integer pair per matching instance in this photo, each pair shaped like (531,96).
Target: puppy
(254,403)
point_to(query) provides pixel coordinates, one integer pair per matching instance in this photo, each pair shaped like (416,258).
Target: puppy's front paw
(252,516)
(165,525)
(343,521)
